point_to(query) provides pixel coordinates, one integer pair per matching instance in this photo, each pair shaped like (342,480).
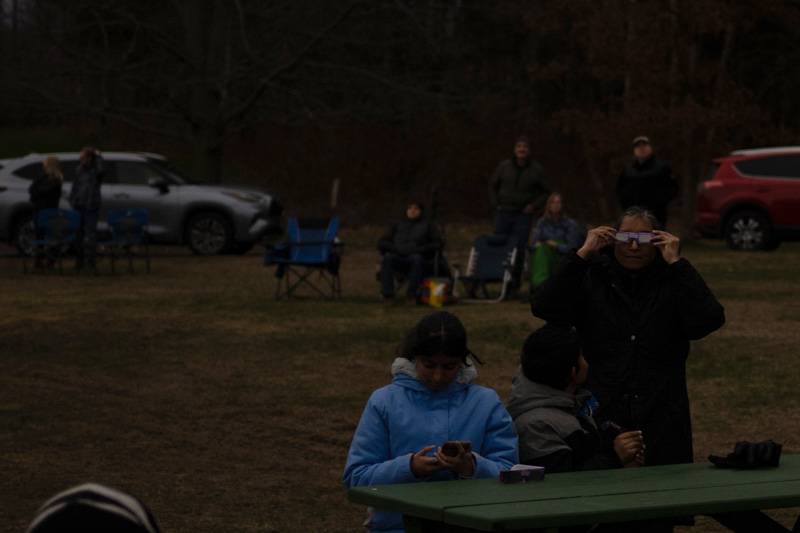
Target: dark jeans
(411,266)
(86,238)
(515,225)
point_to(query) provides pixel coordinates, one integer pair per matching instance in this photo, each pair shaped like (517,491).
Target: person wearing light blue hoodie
(432,400)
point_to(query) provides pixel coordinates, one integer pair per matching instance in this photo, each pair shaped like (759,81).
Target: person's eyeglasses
(641,237)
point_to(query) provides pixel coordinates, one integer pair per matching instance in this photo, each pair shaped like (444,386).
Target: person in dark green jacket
(518,191)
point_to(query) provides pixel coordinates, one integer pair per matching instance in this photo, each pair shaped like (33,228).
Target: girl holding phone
(432,400)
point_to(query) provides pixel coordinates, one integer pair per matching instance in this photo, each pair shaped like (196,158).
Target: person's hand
(422,464)
(629,447)
(596,239)
(528,209)
(462,464)
(551,243)
(668,244)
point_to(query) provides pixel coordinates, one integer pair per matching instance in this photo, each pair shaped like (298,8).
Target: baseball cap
(442,332)
(641,139)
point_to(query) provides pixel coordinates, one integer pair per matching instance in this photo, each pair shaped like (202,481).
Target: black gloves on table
(750,455)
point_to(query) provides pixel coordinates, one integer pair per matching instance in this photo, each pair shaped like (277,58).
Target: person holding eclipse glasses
(636,304)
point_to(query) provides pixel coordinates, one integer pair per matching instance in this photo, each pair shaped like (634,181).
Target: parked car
(751,198)
(210,219)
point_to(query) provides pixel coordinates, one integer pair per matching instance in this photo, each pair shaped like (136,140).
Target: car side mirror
(159,183)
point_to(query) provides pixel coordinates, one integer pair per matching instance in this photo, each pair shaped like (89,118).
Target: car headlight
(248,197)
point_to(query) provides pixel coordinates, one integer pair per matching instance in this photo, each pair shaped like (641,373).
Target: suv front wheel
(24,234)
(209,234)
(750,230)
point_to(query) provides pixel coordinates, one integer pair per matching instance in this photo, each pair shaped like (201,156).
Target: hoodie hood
(404,373)
(527,395)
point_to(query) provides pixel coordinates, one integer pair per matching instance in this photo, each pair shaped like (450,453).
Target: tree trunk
(673,71)
(205,29)
(727,44)
(630,49)
(688,180)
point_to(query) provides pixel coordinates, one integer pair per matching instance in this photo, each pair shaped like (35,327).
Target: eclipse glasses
(639,237)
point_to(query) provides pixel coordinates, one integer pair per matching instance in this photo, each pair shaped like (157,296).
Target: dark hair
(549,355)
(636,211)
(417,202)
(523,139)
(437,333)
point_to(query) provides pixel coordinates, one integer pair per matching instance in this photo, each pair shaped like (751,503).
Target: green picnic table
(582,498)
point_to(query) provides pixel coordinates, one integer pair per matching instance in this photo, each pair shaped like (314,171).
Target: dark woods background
(397,97)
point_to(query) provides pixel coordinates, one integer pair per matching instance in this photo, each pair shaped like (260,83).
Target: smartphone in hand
(450,448)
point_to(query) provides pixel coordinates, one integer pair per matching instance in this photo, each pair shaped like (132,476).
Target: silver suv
(210,219)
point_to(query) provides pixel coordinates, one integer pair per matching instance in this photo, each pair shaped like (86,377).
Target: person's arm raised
(560,299)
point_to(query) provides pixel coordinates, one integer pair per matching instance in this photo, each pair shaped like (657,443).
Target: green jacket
(512,187)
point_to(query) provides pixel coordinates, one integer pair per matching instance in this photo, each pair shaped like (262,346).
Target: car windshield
(172,171)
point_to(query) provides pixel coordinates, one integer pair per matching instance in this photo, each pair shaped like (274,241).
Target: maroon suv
(752,198)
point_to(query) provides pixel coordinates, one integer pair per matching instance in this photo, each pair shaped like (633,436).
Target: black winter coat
(635,331)
(647,184)
(85,192)
(409,237)
(45,192)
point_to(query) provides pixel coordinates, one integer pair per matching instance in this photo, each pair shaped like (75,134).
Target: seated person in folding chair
(554,236)
(406,248)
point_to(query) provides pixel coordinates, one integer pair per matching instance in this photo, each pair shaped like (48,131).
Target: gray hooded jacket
(551,431)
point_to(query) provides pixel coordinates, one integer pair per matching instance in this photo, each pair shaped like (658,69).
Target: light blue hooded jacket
(402,418)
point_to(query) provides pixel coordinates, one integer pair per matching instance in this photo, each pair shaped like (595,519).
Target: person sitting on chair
(406,247)
(554,236)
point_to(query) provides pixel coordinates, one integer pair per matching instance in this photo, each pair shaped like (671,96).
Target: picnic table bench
(582,498)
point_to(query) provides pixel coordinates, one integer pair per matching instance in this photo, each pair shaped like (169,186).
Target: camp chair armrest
(314,243)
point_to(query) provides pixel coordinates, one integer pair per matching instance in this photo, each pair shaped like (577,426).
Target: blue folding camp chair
(311,247)
(490,261)
(128,236)
(57,229)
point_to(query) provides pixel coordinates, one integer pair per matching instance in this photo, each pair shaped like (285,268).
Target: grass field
(227,411)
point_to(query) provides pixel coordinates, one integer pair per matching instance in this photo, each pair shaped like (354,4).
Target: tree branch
(264,83)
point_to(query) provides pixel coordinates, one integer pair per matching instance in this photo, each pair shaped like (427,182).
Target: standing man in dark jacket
(406,247)
(85,199)
(636,306)
(518,191)
(647,181)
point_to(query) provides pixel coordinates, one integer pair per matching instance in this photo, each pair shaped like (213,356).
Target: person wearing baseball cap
(432,401)
(646,181)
